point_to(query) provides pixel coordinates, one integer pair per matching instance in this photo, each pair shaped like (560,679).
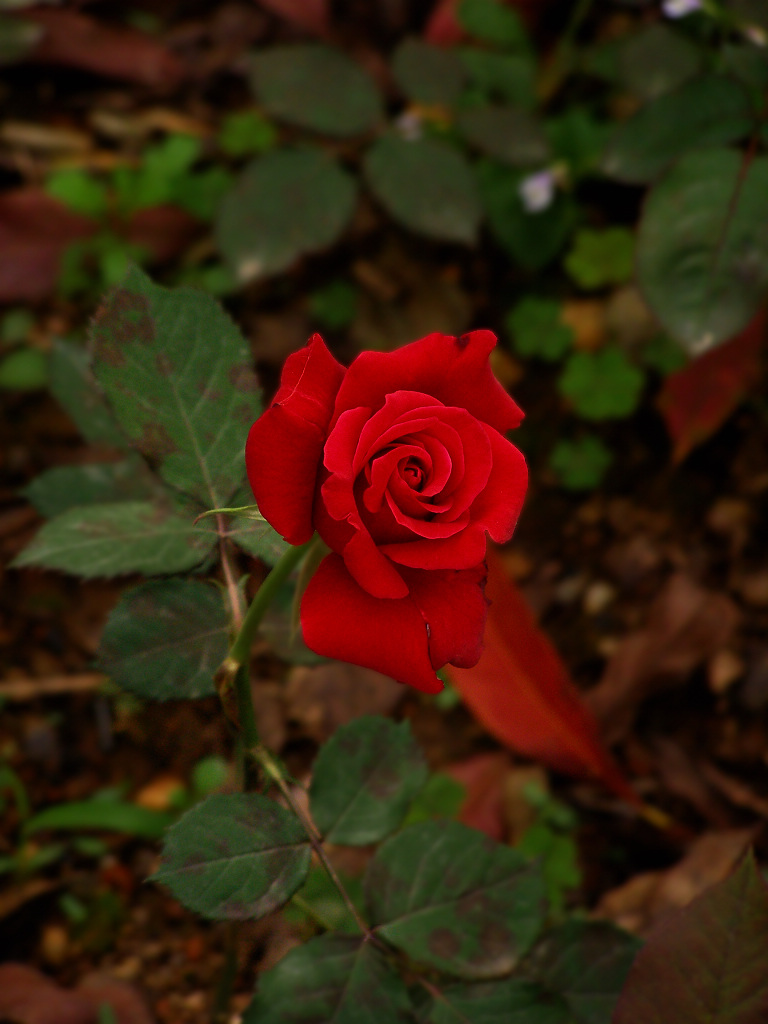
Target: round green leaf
(537,329)
(333,979)
(426,185)
(364,780)
(702,251)
(656,59)
(428,74)
(599,258)
(580,465)
(165,639)
(449,897)
(706,111)
(24,369)
(506,133)
(601,385)
(285,204)
(235,856)
(314,86)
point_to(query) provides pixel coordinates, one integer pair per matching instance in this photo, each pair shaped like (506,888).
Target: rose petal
(285,445)
(453,605)
(340,620)
(498,505)
(372,570)
(454,370)
(460,552)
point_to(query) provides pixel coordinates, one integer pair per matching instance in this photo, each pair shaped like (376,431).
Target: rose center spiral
(413,474)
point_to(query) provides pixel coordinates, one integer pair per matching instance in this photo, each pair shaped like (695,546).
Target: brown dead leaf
(686,780)
(323,697)
(686,625)
(638,903)
(76,40)
(483,777)
(29,997)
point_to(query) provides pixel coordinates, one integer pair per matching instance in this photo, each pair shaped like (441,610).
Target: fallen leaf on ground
(311,15)
(323,697)
(686,625)
(697,400)
(646,897)
(522,694)
(483,778)
(29,997)
(35,230)
(117,51)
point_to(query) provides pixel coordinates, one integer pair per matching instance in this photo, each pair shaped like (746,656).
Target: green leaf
(79,190)
(251,532)
(16,325)
(449,897)
(364,780)
(702,251)
(235,856)
(708,959)
(74,386)
(493,22)
(334,305)
(165,639)
(111,815)
(511,135)
(586,963)
(316,87)
(532,239)
(577,138)
(17,38)
(663,354)
(63,487)
(656,60)
(601,385)
(441,797)
(537,330)
(512,1001)
(507,77)
(334,980)
(705,111)
(580,465)
(178,374)
(428,74)
(285,204)
(114,539)
(24,369)
(245,133)
(201,193)
(426,185)
(600,258)
(320,902)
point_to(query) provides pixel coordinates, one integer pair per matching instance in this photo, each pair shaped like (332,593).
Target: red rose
(401,465)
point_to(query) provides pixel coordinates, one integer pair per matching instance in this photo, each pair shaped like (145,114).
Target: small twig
(28,689)
(233,592)
(263,757)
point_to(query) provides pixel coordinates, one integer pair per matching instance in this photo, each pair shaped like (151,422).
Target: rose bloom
(401,465)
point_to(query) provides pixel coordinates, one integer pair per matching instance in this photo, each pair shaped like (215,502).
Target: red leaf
(311,15)
(482,776)
(34,232)
(443,28)
(77,41)
(164,230)
(522,694)
(697,400)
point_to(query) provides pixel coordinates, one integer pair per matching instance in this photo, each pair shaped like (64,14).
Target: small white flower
(756,34)
(410,125)
(679,8)
(537,191)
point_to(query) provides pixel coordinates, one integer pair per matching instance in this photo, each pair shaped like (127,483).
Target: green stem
(265,595)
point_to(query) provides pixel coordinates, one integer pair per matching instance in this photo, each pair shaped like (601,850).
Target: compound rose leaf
(183,401)
(165,639)
(449,897)
(364,780)
(332,978)
(235,856)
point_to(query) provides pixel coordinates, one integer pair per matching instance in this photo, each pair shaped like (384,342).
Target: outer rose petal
(407,638)
(455,370)
(498,506)
(285,445)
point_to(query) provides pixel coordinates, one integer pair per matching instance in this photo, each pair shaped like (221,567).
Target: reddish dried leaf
(482,776)
(522,694)
(34,232)
(75,40)
(697,400)
(443,28)
(311,15)
(164,231)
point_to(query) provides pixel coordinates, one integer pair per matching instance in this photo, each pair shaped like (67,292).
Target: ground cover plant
(590,185)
